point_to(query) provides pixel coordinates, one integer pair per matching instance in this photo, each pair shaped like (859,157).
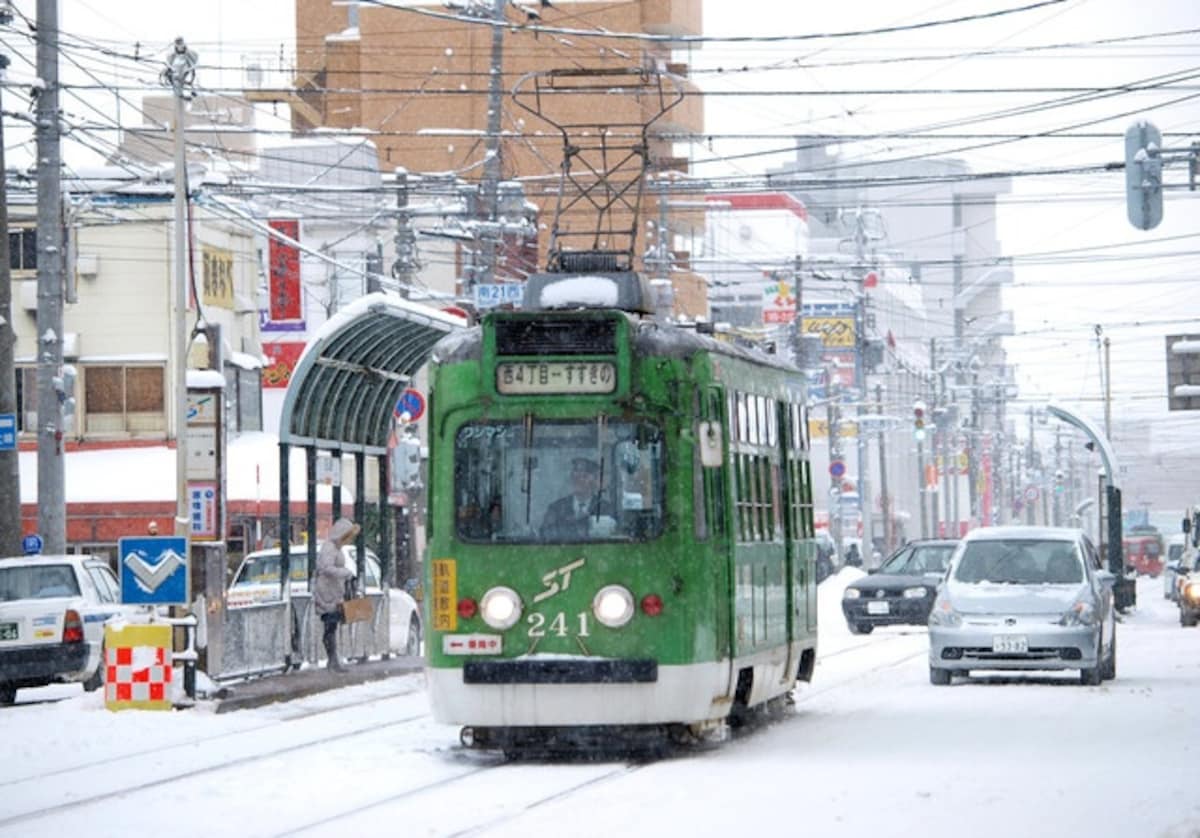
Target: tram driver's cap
(585,466)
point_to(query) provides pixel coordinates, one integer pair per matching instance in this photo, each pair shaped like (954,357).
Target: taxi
(52,615)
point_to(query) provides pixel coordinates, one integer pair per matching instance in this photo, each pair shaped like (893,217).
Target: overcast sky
(1058,299)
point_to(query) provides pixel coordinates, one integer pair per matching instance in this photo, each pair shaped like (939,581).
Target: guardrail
(270,637)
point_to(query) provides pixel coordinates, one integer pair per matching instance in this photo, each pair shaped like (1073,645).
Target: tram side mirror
(709,435)
(1187,526)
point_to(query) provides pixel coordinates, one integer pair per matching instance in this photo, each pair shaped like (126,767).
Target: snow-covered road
(871,749)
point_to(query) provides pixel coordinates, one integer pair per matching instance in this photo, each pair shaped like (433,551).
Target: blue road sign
(8,431)
(411,402)
(154,570)
(837,468)
(31,544)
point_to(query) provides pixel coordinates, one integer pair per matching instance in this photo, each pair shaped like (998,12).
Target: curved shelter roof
(346,384)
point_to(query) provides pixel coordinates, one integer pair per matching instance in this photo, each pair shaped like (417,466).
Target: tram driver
(583,511)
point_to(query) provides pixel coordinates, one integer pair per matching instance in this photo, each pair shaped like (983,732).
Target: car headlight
(943,614)
(500,608)
(914,593)
(852,593)
(613,606)
(1080,614)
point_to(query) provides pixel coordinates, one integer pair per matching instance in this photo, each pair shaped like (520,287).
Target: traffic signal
(919,419)
(1143,175)
(1059,484)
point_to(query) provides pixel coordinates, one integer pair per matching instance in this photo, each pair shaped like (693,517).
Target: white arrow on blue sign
(154,570)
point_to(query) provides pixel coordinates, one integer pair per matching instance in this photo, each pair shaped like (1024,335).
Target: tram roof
(353,371)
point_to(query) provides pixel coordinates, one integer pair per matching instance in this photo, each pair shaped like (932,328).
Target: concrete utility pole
(884,501)
(491,163)
(10,483)
(52,506)
(179,74)
(1030,509)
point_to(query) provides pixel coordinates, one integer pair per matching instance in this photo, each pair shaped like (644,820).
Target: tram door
(714,442)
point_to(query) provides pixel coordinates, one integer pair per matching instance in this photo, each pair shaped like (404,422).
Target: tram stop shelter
(342,397)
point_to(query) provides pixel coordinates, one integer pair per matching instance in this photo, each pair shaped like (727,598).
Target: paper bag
(358,610)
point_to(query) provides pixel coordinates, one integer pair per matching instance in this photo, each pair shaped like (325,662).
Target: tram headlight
(500,608)
(613,606)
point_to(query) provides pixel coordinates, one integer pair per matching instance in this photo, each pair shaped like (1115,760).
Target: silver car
(1022,598)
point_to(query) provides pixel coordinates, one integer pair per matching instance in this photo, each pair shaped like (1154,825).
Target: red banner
(284,281)
(283,357)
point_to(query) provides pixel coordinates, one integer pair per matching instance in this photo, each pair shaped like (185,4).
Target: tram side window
(559,481)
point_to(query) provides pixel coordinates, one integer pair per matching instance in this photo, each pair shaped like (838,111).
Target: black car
(901,590)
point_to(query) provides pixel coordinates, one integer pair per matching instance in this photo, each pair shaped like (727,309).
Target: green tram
(621,523)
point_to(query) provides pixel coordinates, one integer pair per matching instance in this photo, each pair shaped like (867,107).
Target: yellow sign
(834,331)
(444,605)
(819,429)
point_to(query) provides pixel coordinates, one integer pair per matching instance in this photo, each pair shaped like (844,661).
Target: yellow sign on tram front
(444,592)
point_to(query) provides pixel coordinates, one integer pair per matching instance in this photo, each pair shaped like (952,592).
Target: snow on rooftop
(126,475)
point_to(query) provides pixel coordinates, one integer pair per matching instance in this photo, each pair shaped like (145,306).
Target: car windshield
(919,559)
(559,481)
(37,582)
(263,568)
(1020,562)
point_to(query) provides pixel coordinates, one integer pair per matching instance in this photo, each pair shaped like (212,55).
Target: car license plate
(876,607)
(1010,644)
(8,631)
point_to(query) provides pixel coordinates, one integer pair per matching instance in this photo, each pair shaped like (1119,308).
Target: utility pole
(179,74)
(865,504)
(922,488)
(1108,394)
(1058,521)
(835,453)
(52,506)
(1030,509)
(10,483)
(491,163)
(884,500)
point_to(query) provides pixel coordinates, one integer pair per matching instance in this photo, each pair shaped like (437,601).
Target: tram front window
(540,481)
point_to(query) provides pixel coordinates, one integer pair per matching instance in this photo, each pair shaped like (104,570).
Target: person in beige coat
(329,585)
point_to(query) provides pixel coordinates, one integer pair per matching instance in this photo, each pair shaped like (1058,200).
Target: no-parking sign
(411,405)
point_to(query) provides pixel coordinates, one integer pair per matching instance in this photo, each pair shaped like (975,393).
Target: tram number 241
(559,625)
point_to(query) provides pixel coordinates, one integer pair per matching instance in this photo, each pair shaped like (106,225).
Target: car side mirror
(1106,577)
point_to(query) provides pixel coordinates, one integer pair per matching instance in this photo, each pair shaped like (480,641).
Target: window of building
(22,249)
(124,400)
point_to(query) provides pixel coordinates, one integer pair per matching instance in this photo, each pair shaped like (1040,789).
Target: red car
(1144,552)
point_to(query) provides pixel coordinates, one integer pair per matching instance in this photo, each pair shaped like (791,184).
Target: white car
(1024,598)
(52,615)
(257,580)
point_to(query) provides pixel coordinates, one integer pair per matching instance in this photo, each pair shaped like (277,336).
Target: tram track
(108,759)
(83,776)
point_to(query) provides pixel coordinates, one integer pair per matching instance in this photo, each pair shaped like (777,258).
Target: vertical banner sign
(284,279)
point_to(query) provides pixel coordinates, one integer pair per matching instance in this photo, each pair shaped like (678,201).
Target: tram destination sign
(547,377)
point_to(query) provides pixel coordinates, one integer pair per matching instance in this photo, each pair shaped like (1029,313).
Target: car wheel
(1109,670)
(96,681)
(861,628)
(8,694)
(412,646)
(939,677)
(1185,619)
